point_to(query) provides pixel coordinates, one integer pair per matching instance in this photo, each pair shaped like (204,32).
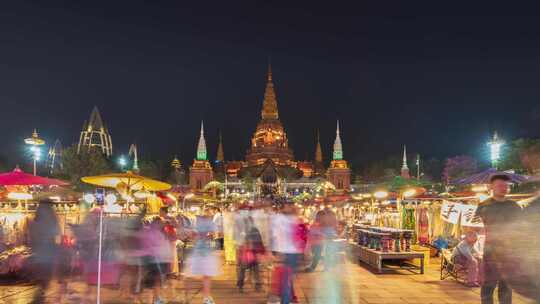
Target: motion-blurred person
(315,243)
(157,257)
(218,221)
(498,214)
(203,261)
(466,254)
(170,226)
(249,255)
(287,245)
(43,231)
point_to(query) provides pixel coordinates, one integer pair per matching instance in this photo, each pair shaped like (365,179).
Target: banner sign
(452,211)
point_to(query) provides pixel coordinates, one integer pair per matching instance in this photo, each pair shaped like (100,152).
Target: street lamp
(122,162)
(35,142)
(495,145)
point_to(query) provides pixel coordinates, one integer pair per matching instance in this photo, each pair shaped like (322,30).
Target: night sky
(437,78)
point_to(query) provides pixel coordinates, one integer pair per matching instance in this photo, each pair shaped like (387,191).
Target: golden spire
(270,110)
(318,150)
(220,157)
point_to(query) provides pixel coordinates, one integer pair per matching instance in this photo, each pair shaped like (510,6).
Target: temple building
(200,173)
(339,173)
(95,135)
(269,142)
(269,168)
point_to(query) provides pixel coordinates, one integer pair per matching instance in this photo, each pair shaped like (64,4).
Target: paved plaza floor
(350,283)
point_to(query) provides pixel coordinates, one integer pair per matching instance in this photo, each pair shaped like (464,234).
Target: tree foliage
(521,155)
(86,163)
(458,167)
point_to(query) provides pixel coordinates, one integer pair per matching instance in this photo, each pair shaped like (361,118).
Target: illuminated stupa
(269,142)
(339,173)
(95,135)
(200,173)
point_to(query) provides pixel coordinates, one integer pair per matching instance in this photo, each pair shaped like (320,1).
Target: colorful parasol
(484,176)
(129,180)
(18,178)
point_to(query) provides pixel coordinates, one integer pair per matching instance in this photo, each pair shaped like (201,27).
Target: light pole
(35,142)
(122,162)
(495,145)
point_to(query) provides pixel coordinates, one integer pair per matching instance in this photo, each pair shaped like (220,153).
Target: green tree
(86,163)
(520,155)
(458,167)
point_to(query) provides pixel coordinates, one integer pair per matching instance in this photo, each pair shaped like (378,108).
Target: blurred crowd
(134,253)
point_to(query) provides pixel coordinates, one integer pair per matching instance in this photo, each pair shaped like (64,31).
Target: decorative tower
(178,174)
(319,163)
(95,135)
(219,164)
(339,172)
(269,142)
(404,167)
(220,155)
(200,172)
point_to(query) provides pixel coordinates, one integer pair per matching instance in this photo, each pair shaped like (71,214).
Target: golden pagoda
(269,142)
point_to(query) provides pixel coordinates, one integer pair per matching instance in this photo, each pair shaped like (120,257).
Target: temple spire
(270,110)
(201,147)
(318,150)
(220,156)
(338,149)
(404,166)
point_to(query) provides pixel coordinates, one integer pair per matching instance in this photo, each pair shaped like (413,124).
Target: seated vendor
(466,254)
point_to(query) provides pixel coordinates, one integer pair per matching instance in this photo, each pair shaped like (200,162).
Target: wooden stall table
(375,258)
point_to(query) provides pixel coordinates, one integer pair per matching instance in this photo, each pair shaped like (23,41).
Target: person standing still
(498,214)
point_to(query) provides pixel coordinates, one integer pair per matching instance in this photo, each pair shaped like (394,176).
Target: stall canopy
(18,178)
(484,176)
(129,180)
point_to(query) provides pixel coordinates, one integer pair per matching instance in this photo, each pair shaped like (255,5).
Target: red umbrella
(19,178)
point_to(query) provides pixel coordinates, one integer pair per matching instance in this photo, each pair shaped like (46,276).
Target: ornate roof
(270,109)
(269,140)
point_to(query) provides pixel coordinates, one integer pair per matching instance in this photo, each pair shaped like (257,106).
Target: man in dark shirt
(498,215)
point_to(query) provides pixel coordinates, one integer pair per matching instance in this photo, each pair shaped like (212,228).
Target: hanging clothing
(423,226)
(409,221)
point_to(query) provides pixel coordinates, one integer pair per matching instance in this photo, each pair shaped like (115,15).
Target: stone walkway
(350,283)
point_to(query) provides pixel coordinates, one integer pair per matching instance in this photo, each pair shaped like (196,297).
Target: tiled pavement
(350,283)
